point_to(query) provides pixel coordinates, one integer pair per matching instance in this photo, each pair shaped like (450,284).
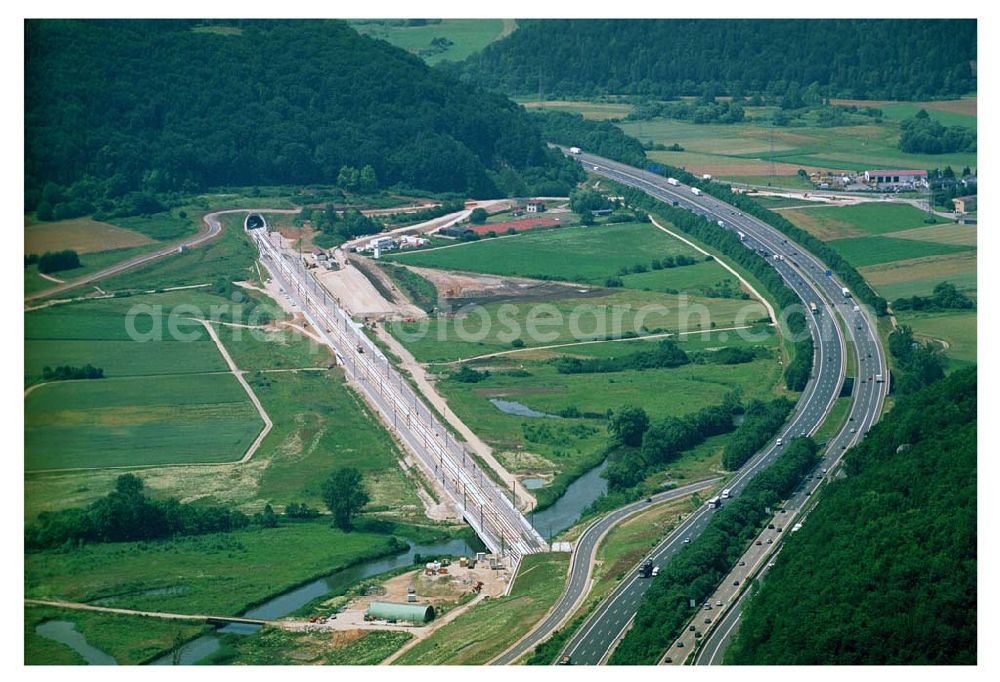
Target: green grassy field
(901,256)
(487,629)
(491,328)
(597,111)
(918,276)
(100,244)
(862,251)
(280,348)
(137,421)
(82,235)
(130,640)
(900,111)
(321,424)
(89,263)
(231,256)
(217,574)
(873,218)
(98,333)
(742,151)
(564,448)
(702,278)
(955,328)
(578,254)
(949,233)
(163,227)
(466,36)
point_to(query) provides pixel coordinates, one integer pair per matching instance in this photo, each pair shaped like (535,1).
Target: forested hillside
(884,571)
(119,107)
(865,59)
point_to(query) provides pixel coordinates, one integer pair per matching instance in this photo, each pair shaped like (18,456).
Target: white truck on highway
(672,181)
(846,292)
(575,150)
(695,191)
(727,493)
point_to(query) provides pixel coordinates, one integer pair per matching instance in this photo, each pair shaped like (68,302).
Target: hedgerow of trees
(66,372)
(850,58)
(55,261)
(704,110)
(659,442)
(127,513)
(946,296)
(885,567)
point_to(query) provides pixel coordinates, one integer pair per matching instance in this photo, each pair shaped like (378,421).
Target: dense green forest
(884,571)
(119,114)
(864,59)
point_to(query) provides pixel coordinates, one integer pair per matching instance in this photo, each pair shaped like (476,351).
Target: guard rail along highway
(484,505)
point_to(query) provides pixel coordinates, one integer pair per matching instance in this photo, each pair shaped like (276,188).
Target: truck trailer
(672,181)
(575,150)
(695,191)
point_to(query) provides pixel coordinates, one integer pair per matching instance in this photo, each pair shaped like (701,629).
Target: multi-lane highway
(584,554)
(804,274)
(484,505)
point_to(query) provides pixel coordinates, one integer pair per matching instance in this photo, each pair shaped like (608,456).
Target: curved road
(596,639)
(584,554)
(210,230)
